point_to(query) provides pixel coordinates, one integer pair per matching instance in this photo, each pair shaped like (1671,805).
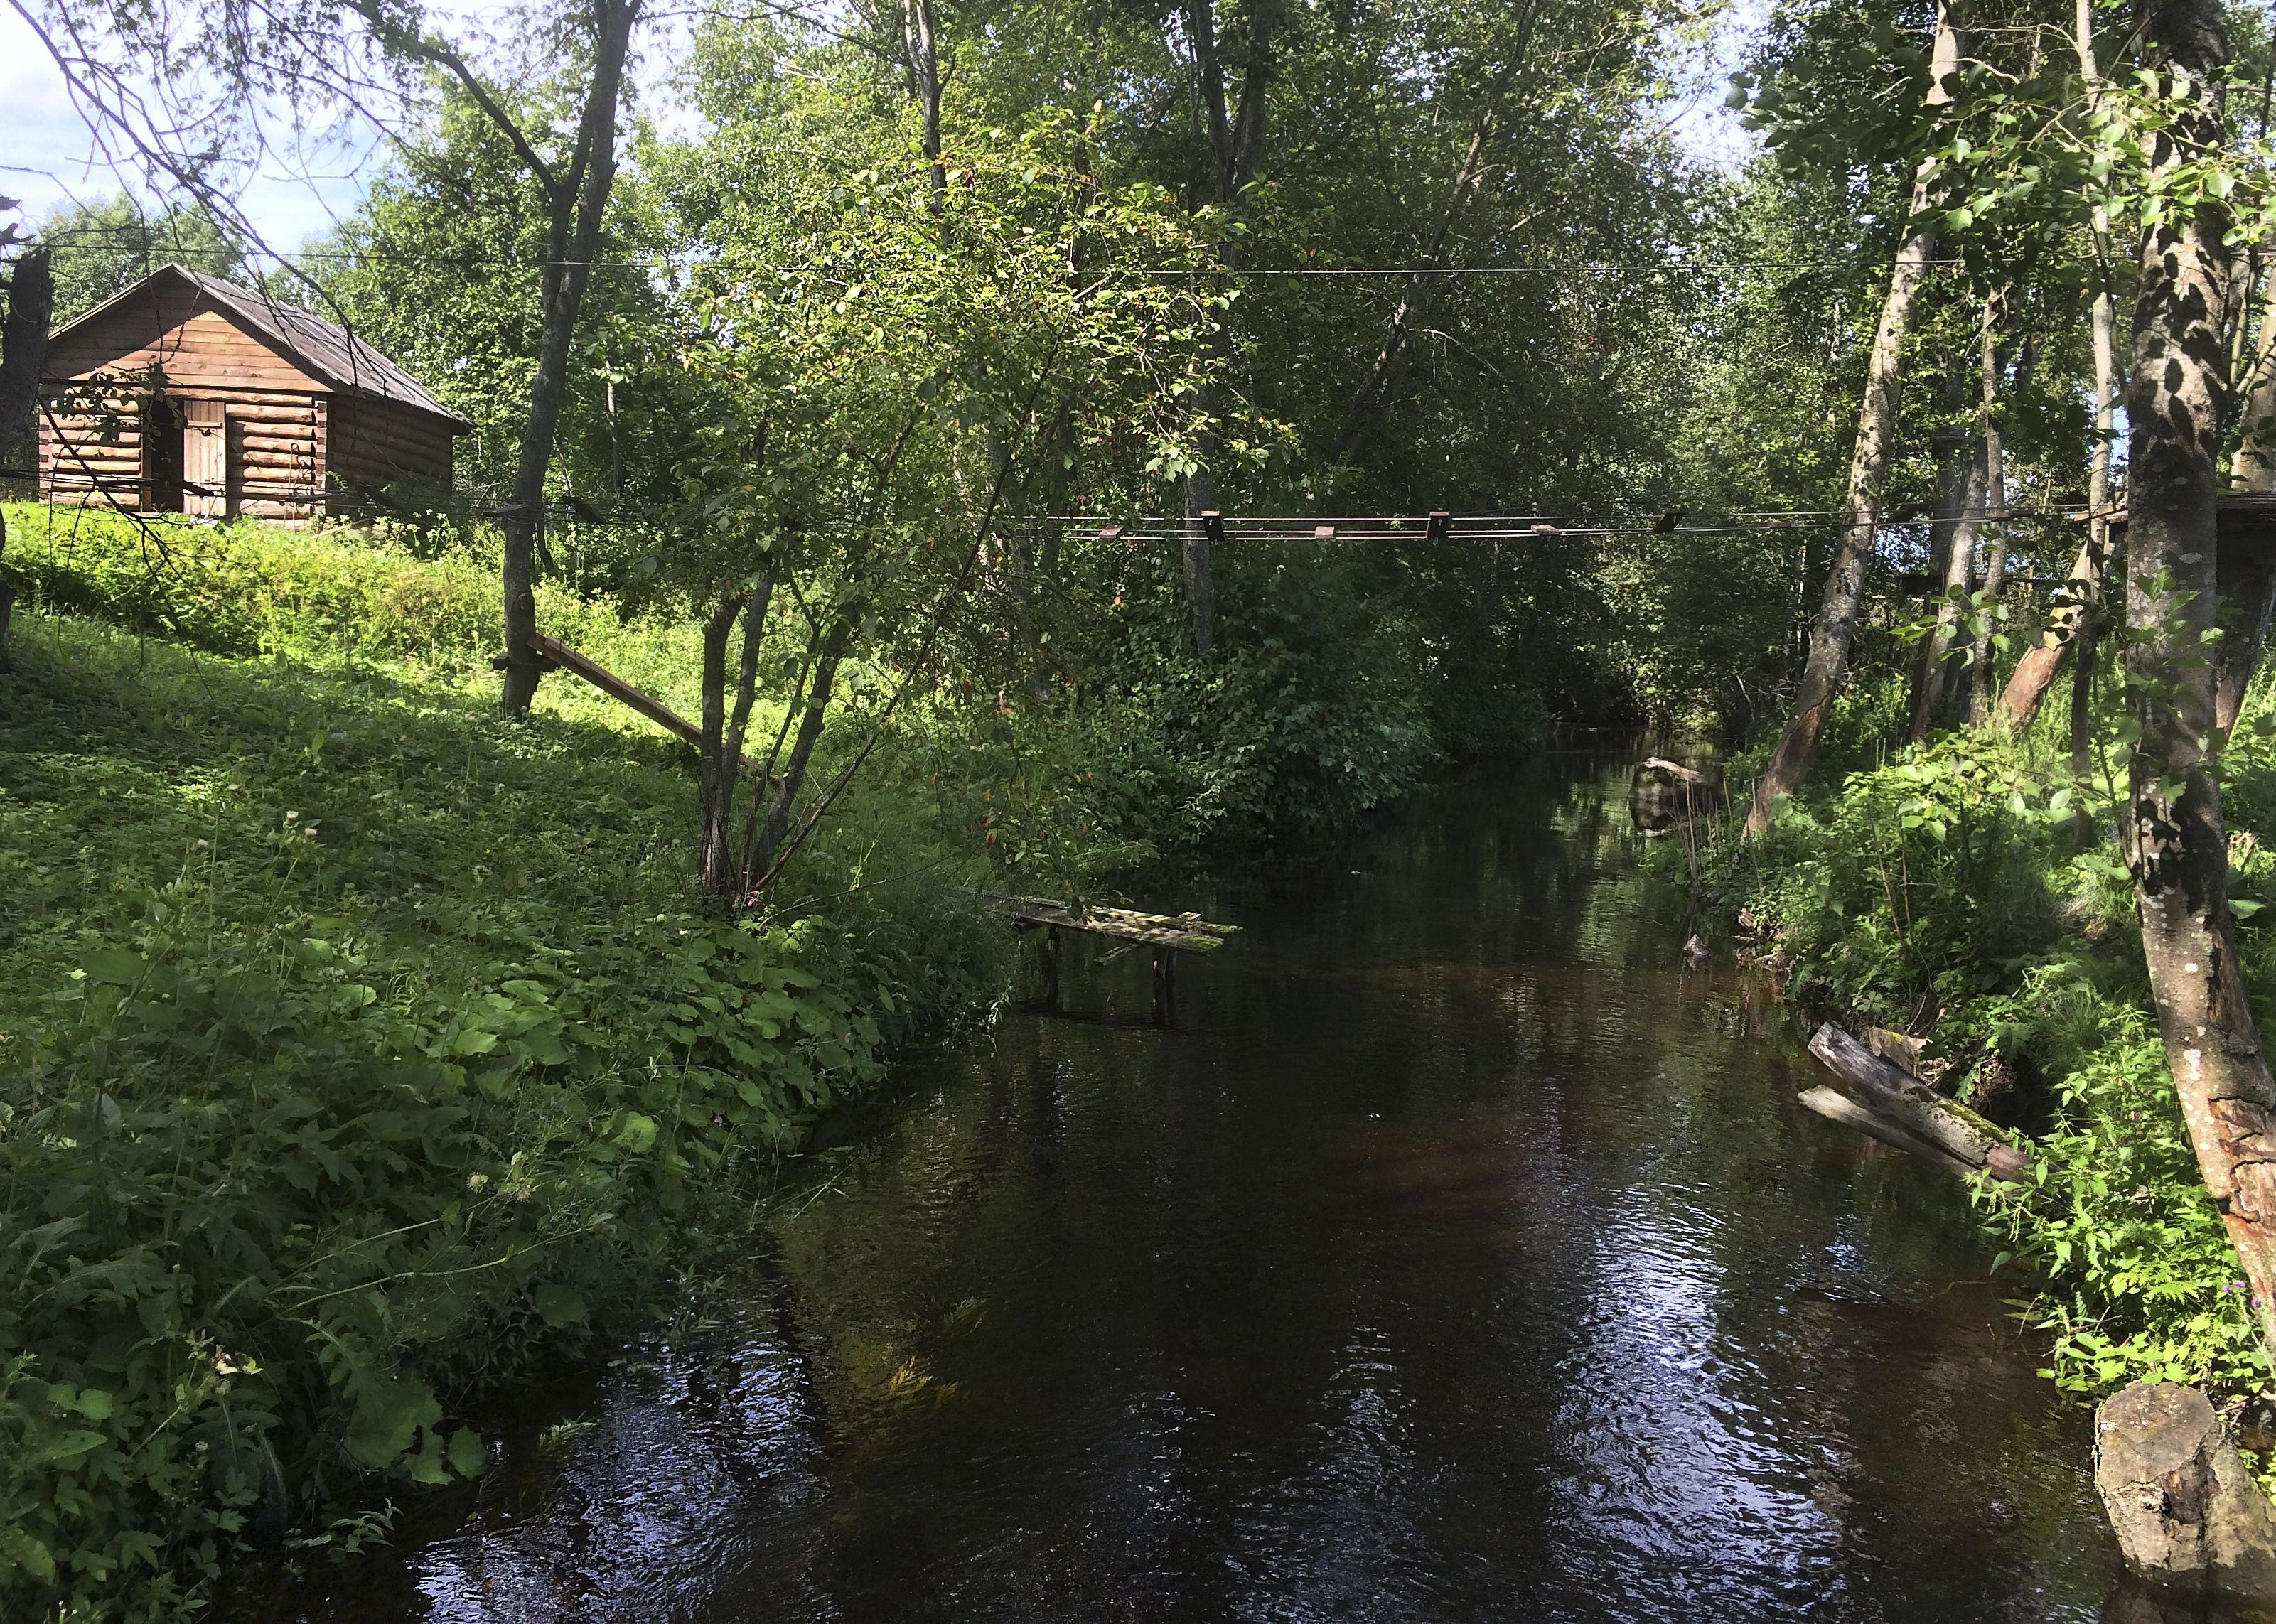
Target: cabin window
(161,430)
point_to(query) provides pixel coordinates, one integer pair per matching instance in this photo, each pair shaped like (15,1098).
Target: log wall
(375,445)
(276,454)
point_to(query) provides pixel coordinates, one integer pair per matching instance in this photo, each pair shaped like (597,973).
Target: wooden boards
(1185,933)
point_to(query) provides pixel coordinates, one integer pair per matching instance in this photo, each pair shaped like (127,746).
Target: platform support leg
(1051,968)
(1166,986)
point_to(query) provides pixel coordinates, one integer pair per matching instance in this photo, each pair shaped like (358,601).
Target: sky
(50,159)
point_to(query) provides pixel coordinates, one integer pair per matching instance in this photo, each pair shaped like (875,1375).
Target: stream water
(1458,1255)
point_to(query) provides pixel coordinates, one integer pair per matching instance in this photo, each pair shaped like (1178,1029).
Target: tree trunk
(1868,466)
(2181,1501)
(1237,147)
(716,792)
(922,38)
(579,198)
(722,732)
(23,357)
(1196,570)
(1995,521)
(2074,622)
(1962,498)
(2178,846)
(826,661)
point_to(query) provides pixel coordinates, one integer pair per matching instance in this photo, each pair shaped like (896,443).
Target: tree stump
(2186,1511)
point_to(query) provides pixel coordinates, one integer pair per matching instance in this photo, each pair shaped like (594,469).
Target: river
(1458,1255)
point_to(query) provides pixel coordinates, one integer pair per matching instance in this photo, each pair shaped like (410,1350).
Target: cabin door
(205,460)
(161,435)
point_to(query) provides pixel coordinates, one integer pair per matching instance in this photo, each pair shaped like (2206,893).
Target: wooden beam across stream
(1167,934)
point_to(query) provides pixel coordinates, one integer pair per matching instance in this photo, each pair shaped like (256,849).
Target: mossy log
(1890,1092)
(1663,794)
(1835,1106)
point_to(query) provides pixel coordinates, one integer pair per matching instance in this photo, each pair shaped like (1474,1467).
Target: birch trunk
(1995,521)
(1836,620)
(2074,624)
(578,196)
(2177,844)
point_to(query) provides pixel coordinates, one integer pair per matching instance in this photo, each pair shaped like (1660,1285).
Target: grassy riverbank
(1968,890)
(359,1046)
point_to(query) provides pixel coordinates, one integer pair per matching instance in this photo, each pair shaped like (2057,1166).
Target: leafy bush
(355,1044)
(1945,890)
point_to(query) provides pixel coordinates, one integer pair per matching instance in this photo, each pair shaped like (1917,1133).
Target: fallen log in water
(1664,794)
(1897,1097)
(1835,1106)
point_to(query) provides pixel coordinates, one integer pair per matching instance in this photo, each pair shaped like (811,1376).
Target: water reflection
(1460,1257)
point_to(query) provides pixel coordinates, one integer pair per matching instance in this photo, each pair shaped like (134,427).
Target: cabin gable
(198,348)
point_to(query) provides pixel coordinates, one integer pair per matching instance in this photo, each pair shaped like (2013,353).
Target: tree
(23,353)
(2177,844)
(1877,422)
(575,184)
(101,249)
(876,373)
(1238,138)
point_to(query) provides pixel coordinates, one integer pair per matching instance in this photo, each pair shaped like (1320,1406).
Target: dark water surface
(1458,1257)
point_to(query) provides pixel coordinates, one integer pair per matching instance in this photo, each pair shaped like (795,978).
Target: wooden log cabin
(216,400)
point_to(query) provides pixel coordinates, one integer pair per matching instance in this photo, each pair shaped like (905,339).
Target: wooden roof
(327,354)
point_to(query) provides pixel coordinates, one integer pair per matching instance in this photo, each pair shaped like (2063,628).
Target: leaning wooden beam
(1916,1108)
(617,688)
(1836,1107)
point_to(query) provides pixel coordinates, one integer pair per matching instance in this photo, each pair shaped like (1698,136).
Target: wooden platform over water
(1167,934)
(1183,932)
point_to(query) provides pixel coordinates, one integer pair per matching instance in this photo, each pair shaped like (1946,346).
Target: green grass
(356,1045)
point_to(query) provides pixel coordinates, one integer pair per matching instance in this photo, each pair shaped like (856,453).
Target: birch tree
(2177,844)
(1836,620)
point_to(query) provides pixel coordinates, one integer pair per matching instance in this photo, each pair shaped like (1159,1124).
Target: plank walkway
(1167,934)
(1183,932)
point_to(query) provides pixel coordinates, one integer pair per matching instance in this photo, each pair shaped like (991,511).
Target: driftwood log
(1899,1098)
(2186,1511)
(1664,794)
(1835,1106)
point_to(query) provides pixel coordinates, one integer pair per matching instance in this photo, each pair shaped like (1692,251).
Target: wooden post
(1051,966)
(1166,986)
(1440,526)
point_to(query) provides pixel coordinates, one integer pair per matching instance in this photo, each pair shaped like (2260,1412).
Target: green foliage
(1948,890)
(242,588)
(101,249)
(357,1046)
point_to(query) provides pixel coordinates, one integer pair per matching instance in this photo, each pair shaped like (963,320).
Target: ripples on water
(1459,1257)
